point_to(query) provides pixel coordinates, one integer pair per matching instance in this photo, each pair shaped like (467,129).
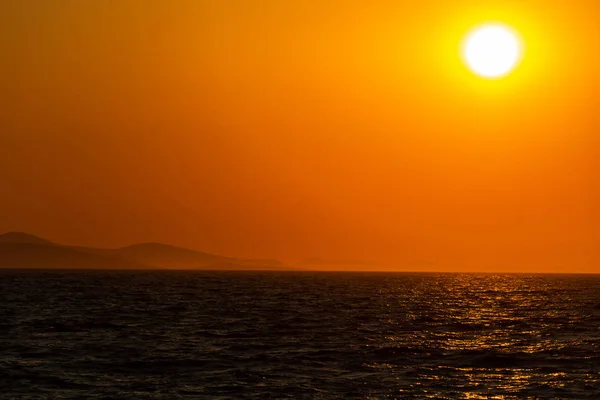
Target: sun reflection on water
(508,333)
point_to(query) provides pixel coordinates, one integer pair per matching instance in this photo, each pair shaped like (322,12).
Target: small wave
(463,327)
(73,326)
(386,353)
(495,359)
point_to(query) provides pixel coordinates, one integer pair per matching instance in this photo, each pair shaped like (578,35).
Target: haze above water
(22,250)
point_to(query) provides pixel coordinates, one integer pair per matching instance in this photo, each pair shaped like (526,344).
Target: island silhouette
(23,250)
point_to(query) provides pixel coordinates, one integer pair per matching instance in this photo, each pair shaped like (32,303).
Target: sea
(297,335)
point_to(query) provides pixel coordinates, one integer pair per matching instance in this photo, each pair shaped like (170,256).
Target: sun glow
(492,50)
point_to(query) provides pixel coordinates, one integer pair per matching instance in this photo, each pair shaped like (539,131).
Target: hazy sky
(303,128)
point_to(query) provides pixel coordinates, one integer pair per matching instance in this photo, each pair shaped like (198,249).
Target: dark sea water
(261,335)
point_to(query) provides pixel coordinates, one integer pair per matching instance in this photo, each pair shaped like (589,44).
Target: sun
(492,50)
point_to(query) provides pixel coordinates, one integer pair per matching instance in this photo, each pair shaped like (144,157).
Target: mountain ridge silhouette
(22,237)
(23,250)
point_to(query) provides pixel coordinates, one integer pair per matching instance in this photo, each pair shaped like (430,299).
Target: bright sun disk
(492,50)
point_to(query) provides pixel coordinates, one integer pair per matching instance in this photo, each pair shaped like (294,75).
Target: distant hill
(171,257)
(20,237)
(21,250)
(28,255)
(167,256)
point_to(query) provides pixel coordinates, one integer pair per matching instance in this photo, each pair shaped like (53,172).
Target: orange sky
(304,128)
